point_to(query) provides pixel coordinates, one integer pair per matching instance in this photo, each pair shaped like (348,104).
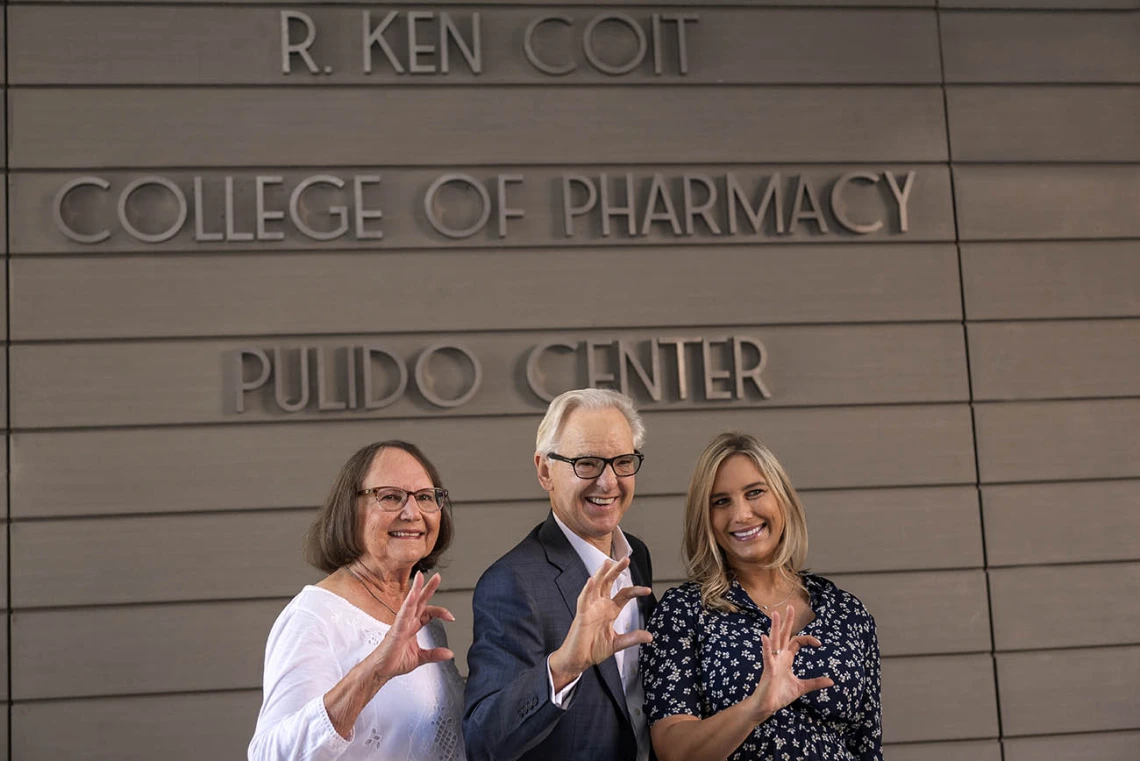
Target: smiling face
(591,508)
(746,517)
(396,541)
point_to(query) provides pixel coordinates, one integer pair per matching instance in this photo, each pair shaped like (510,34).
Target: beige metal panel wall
(1069,691)
(631,3)
(1076,522)
(1026,601)
(1041,112)
(546,196)
(1034,202)
(5,541)
(240,295)
(1011,46)
(55,45)
(154,382)
(1087,124)
(226,556)
(963,750)
(137,728)
(1042,5)
(1061,440)
(963,707)
(957,622)
(49,667)
(183,546)
(1048,279)
(142,643)
(1103,746)
(544,200)
(52,128)
(1053,360)
(916,410)
(180,469)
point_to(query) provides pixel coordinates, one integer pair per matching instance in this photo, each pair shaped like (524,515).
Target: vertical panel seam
(7,393)
(7,384)
(969,372)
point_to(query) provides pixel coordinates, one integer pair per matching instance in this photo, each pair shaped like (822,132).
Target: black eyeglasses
(392,498)
(624,465)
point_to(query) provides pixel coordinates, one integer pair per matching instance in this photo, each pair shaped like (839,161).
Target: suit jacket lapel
(570,580)
(572,574)
(639,569)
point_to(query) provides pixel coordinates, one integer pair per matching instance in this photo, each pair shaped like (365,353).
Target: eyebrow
(746,488)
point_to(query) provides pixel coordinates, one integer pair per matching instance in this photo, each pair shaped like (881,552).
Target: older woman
(357,666)
(754,658)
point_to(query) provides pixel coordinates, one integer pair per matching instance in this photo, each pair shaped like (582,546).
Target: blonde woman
(754,658)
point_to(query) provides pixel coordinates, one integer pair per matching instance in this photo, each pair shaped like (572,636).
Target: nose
(740,509)
(607,479)
(410,511)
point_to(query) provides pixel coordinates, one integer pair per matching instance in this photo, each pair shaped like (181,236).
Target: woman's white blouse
(313,644)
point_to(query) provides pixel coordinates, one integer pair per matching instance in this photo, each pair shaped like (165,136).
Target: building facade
(898,240)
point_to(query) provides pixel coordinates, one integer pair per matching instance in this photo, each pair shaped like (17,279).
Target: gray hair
(590,399)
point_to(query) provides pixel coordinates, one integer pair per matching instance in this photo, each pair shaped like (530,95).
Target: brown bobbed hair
(334,538)
(704,558)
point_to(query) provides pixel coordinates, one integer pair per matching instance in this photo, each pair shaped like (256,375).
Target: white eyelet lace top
(313,644)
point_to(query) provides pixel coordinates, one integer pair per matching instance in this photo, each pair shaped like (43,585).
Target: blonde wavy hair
(704,559)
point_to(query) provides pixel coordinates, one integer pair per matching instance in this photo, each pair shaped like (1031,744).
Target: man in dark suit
(553,664)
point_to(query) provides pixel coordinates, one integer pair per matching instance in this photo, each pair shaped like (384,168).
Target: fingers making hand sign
(592,638)
(399,652)
(779,686)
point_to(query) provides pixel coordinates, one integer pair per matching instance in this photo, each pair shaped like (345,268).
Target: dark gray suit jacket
(524,604)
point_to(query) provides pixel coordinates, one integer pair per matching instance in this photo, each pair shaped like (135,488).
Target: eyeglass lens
(393,499)
(592,467)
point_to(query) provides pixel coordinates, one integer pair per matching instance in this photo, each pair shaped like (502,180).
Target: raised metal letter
(425,383)
(598,63)
(839,206)
(300,48)
(433,217)
(569,211)
(751,373)
(534,374)
(535,61)
(57,210)
(165,235)
(239,375)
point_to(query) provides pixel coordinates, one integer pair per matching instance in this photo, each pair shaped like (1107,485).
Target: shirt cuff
(562,697)
(337,743)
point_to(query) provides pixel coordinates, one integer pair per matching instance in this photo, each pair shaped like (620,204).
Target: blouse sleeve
(866,741)
(669,663)
(299,669)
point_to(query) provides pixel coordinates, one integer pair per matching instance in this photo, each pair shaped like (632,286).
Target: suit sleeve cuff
(560,698)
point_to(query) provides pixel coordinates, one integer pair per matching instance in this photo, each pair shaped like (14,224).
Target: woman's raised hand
(399,652)
(779,686)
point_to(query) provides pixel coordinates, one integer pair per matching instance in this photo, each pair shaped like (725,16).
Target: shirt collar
(740,598)
(591,556)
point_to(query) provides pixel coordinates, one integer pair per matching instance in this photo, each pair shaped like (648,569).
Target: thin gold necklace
(368,589)
(769,606)
(781,602)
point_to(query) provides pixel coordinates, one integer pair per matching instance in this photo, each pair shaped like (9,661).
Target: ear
(542,467)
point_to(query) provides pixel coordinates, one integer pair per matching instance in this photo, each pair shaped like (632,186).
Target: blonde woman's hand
(779,686)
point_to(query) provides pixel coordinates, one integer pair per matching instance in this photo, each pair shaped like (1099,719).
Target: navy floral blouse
(702,661)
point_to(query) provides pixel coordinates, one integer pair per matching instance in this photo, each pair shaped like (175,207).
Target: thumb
(819,683)
(435,655)
(629,639)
